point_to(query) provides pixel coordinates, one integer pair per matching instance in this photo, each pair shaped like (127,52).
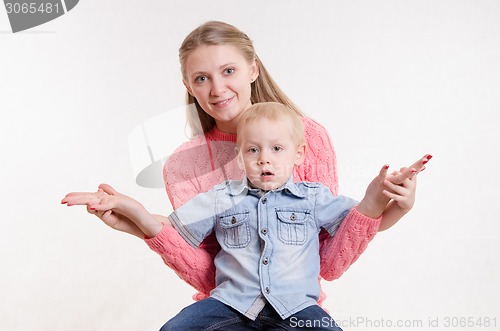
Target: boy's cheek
(248,165)
(241,161)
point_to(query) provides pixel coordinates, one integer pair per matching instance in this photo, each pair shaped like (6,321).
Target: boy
(267,225)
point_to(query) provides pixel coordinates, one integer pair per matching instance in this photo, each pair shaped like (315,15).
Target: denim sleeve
(195,220)
(330,210)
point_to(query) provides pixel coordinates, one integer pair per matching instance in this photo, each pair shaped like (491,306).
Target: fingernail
(425,161)
(63,202)
(429,156)
(423,168)
(92,208)
(386,166)
(413,171)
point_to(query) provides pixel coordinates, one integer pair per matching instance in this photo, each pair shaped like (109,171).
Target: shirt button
(263,231)
(265,261)
(233,220)
(293,217)
(264,200)
(267,290)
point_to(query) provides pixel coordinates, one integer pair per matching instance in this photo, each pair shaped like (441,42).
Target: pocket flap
(292,216)
(231,221)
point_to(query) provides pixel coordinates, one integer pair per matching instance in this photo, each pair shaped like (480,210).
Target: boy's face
(268,152)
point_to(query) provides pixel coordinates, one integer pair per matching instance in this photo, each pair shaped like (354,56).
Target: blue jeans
(211,314)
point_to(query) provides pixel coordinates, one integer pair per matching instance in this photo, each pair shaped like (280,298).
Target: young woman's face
(220,78)
(268,152)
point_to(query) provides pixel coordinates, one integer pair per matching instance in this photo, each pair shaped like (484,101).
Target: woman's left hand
(403,194)
(375,200)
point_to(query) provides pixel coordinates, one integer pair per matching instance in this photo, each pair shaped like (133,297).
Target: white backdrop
(391,81)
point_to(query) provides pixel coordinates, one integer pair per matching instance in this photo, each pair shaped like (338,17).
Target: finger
(75,194)
(79,199)
(392,196)
(102,205)
(383,172)
(108,189)
(404,174)
(106,216)
(107,202)
(92,211)
(394,188)
(420,164)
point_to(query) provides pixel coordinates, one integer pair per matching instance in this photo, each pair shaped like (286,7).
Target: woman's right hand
(111,218)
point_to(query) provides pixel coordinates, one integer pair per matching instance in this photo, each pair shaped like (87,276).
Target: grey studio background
(390,80)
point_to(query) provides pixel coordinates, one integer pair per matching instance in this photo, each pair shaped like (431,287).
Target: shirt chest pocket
(292,227)
(236,230)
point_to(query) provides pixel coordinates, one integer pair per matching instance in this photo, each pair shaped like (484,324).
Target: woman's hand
(402,199)
(375,200)
(100,204)
(403,194)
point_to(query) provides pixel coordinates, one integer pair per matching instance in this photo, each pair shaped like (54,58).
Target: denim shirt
(269,240)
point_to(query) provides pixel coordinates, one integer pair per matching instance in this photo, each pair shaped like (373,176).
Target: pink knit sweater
(204,161)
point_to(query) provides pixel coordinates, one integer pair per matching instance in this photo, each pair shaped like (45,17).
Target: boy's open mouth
(267,173)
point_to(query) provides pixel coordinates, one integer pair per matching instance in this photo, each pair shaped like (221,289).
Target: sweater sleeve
(183,169)
(337,253)
(194,266)
(186,173)
(320,163)
(195,167)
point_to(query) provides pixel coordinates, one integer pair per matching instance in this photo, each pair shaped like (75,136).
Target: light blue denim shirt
(269,240)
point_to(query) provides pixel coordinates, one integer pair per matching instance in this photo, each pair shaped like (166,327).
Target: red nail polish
(63,202)
(386,166)
(429,156)
(92,208)
(425,161)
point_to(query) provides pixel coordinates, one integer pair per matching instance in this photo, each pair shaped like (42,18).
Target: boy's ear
(301,154)
(187,87)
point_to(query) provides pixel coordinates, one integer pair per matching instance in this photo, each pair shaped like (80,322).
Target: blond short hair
(276,112)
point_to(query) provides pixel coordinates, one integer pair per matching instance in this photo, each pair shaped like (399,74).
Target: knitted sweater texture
(206,160)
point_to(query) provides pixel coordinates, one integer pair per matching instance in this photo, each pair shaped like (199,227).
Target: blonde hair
(263,89)
(275,112)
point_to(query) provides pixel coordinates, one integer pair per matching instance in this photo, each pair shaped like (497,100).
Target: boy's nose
(263,160)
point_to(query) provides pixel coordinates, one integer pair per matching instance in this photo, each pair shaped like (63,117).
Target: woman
(224,77)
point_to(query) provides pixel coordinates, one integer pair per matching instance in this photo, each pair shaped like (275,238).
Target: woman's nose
(218,87)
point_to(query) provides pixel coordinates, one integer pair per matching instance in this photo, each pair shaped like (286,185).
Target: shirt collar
(292,188)
(242,187)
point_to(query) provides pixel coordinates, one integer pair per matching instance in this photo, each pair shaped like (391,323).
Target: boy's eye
(229,71)
(277,148)
(252,150)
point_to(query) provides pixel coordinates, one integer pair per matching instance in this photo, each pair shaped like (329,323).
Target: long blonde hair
(263,89)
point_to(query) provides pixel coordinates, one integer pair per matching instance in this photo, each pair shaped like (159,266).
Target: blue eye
(229,71)
(252,150)
(201,79)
